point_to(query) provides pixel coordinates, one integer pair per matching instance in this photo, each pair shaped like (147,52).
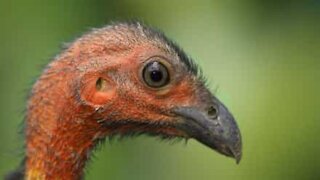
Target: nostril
(213,112)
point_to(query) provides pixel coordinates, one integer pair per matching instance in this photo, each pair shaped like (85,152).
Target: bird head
(131,79)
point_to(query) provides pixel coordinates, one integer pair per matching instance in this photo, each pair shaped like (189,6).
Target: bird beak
(215,128)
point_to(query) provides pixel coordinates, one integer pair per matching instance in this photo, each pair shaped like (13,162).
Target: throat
(60,154)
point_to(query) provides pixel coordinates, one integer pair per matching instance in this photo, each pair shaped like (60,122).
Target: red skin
(66,108)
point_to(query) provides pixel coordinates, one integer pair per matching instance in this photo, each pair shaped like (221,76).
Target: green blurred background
(262,58)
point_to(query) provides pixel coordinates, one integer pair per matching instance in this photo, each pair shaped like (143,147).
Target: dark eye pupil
(155,74)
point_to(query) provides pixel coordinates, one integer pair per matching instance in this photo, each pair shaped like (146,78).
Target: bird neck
(62,154)
(58,142)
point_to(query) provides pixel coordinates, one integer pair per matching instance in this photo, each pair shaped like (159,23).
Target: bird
(123,79)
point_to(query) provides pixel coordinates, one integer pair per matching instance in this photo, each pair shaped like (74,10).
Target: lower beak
(219,132)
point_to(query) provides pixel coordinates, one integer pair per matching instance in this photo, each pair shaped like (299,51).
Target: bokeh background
(262,58)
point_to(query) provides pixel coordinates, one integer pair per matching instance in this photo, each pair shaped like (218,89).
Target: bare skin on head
(122,79)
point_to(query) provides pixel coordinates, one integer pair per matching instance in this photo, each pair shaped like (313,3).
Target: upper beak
(214,127)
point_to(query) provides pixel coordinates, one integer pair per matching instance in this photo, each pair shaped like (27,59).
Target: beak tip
(238,159)
(236,153)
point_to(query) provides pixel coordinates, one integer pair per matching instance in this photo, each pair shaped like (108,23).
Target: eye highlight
(155,74)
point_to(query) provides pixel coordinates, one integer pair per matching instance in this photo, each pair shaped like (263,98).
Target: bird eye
(155,74)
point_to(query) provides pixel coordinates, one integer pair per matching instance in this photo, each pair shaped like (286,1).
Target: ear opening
(97,90)
(101,84)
